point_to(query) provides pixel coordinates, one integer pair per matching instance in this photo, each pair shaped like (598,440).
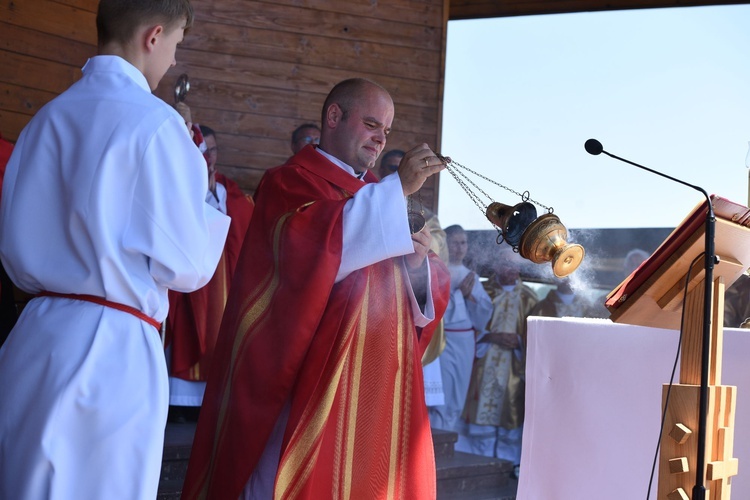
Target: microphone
(595,147)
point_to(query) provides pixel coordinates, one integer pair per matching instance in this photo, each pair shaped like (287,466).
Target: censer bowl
(545,241)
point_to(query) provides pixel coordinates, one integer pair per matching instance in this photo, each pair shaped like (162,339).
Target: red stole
(194,318)
(346,356)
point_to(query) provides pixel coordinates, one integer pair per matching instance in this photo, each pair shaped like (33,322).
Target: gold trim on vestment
(340,430)
(194,372)
(306,437)
(397,394)
(409,340)
(299,457)
(270,283)
(351,426)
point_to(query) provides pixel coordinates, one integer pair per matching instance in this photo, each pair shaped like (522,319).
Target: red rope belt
(107,303)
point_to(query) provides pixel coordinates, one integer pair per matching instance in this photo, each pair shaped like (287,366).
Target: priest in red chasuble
(316,388)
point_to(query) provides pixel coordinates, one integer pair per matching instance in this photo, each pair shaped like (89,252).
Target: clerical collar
(341,164)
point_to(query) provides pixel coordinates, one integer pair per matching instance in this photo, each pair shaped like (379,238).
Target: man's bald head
(356,121)
(346,93)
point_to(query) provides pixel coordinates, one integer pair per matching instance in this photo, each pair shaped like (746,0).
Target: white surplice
(433,384)
(103,195)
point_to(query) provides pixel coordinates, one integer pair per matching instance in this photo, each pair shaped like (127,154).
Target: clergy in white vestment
(468,311)
(433,378)
(566,301)
(102,211)
(494,409)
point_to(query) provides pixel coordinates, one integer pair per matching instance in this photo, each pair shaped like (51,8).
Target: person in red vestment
(6,148)
(316,390)
(194,318)
(7,302)
(307,133)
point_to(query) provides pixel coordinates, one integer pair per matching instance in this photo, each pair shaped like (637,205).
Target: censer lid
(512,220)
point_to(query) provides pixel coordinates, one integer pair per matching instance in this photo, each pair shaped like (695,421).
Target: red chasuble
(194,318)
(346,356)
(6,148)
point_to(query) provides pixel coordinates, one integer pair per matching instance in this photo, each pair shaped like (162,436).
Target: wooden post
(678,458)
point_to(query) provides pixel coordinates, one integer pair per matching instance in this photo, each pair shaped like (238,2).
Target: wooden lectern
(653,296)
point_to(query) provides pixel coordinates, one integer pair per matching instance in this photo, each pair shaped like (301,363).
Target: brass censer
(538,239)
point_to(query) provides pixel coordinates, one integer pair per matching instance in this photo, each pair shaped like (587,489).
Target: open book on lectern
(652,295)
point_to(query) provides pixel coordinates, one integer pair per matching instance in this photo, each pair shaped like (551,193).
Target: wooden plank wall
(257,69)
(43,45)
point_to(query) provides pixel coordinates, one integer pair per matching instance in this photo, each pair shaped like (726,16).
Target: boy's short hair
(118,20)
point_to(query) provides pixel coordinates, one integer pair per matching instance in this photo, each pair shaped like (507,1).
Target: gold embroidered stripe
(354,399)
(314,418)
(303,448)
(397,394)
(270,283)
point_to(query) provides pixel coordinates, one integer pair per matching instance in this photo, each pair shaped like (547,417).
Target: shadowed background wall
(257,69)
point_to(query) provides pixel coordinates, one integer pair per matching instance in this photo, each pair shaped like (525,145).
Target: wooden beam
(481,9)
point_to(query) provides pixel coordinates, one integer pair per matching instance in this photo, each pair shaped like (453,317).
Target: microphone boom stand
(594,147)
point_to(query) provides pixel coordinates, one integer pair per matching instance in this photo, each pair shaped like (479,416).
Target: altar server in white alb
(468,311)
(102,211)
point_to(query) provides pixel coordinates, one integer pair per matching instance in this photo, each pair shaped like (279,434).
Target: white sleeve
(422,318)
(375,226)
(181,235)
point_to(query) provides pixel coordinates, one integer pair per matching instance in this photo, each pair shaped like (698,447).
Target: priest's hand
(184,111)
(416,166)
(416,266)
(421,241)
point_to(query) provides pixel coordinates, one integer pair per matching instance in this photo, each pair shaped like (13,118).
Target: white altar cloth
(593,408)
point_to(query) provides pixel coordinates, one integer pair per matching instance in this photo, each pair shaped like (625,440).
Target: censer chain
(524,196)
(466,179)
(472,195)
